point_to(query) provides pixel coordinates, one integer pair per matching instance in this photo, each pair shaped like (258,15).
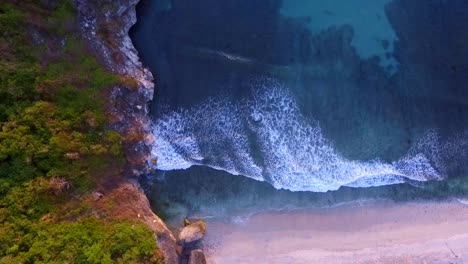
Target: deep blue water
(309,95)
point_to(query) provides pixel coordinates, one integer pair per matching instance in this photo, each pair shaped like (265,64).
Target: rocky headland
(105,26)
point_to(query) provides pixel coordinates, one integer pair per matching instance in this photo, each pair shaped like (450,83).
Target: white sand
(426,232)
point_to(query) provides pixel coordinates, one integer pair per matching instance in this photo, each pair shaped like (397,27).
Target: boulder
(193,232)
(197,257)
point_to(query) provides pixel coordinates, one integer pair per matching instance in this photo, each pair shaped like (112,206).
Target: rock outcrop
(189,242)
(197,257)
(130,202)
(192,232)
(105,25)
(165,238)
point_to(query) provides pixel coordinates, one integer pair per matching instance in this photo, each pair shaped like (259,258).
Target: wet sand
(377,232)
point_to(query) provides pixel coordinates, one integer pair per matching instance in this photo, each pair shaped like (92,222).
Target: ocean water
(308,95)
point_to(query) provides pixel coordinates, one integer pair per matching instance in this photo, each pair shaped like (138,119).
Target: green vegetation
(85,241)
(54,145)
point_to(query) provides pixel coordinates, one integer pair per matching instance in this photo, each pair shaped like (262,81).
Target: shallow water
(309,95)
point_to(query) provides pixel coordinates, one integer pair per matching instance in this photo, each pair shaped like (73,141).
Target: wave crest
(266,137)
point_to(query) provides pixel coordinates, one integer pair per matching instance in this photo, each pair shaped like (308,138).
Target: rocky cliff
(105,25)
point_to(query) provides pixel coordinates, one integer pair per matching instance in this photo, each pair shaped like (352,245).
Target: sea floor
(370,232)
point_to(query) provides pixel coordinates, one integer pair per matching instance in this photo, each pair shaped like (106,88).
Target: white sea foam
(462,200)
(222,54)
(214,127)
(294,153)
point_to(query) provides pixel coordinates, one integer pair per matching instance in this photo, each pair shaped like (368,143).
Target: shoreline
(382,232)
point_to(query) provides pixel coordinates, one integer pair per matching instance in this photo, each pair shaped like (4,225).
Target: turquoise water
(203,192)
(373,36)
(308,96)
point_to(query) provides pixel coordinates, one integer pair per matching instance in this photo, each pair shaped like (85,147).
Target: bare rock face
(197,257)
(165,238)
(193,232)
(131,202)
(105,25)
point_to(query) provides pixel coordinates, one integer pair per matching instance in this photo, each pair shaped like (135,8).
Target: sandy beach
(377,232)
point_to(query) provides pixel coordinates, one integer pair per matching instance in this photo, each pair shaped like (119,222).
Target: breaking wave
(267,138)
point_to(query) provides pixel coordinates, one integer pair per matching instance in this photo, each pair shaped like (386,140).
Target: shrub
(54,145)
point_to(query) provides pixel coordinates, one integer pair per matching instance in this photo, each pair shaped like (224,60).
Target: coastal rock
(197,257)
(105,25)
(193,232)
(130,202)
(165,238)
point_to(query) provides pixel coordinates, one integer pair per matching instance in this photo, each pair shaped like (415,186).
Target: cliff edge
(105,25)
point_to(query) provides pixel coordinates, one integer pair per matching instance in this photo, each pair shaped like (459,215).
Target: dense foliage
(54,144)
